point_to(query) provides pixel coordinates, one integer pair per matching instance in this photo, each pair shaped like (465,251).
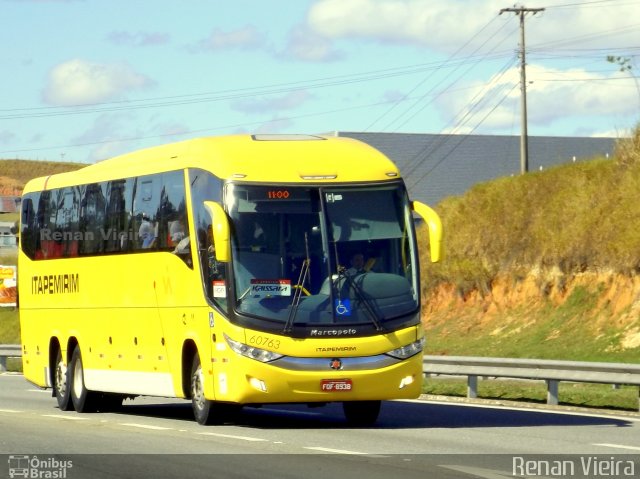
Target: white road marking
(39,391)
(479,472)
(145,426)
(337,451)
(70,417)
(13,411)
(230,436)
(619,446)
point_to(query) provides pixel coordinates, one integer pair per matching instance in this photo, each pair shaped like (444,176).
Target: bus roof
(251,158)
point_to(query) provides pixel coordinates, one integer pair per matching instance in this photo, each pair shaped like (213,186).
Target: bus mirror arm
(221,231)
(435,228)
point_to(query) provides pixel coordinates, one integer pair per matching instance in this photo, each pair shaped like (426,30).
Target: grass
(9,326)
(601,396)
(572,217)
(18,172)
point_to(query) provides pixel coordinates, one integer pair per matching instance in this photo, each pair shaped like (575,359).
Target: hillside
(15,173)
(542,265)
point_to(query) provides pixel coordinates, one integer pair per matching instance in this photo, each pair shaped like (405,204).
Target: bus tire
(203,408)
(205,411)
(61,384)
(361,413)
(83,399)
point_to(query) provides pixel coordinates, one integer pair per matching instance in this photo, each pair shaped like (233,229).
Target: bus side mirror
(435,228)
(221,231)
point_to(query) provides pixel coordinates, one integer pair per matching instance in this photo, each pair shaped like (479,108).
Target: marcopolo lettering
(333,332)
(55,283)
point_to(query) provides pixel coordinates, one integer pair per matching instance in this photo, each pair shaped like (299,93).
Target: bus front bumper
(260,383)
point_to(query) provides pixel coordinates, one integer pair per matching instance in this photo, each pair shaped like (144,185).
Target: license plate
(336,385)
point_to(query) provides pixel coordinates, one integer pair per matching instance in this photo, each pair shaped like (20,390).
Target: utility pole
(524,136)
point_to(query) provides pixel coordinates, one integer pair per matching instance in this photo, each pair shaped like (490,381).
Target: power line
(222,95)
(424,80)
(448,87)
(461,139)
(460,120)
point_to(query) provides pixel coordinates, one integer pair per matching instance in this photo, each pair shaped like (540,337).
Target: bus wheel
(83,399)
(209,412)
(61,384)
(361,413)
(203,409)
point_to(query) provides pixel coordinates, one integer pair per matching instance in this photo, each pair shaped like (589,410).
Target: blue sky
(84,80)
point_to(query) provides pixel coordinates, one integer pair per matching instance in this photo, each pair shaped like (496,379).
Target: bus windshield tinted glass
(313,257)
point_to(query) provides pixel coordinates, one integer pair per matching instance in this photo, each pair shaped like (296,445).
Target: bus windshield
(335,256)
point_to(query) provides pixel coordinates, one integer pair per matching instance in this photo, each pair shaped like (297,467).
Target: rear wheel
(83,399)
(61,384)
(361,413)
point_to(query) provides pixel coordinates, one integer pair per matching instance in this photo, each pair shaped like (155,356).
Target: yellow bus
(232,271)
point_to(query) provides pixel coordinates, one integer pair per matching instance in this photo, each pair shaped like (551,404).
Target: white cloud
(101,134)
(245,38)
(552,95)
(446,25)
(77,82)
(307,45)
(138,39)
(402,21)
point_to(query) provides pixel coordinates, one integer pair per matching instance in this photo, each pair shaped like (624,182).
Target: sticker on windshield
(219,289)
(270,287)
(343,307)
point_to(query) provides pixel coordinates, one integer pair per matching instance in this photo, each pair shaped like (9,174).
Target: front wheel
(83,399)
(202,407)
(361,413)
(61,384)
(205,411)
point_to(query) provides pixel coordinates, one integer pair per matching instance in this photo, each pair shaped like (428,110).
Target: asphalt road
(157,437)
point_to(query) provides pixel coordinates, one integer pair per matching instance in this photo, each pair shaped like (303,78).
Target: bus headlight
(409,350)
(252,352)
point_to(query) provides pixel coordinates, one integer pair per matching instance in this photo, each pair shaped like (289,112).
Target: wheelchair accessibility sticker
(343,307)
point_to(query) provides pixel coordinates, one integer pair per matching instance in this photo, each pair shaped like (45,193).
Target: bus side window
(29,231)
(146,205)
(173,227)
(44,225)
(205,186)
(117,225)
(92,215)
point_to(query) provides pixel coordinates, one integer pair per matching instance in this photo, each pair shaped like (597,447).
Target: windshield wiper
(362,297)
(298,288)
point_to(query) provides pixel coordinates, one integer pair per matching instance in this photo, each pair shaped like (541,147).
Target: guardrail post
(552,391)
(3,364)
(472,386)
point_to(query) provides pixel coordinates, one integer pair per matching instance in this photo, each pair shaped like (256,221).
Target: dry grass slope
(555,246)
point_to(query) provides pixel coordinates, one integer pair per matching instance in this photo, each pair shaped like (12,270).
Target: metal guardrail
(8,351)
(550,371)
